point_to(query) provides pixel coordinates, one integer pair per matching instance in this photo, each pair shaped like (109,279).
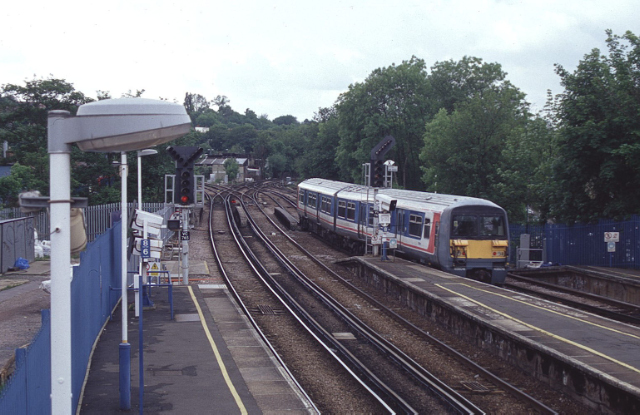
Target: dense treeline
(461,127)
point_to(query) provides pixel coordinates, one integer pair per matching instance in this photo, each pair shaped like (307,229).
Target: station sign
(145,248)
(612,236)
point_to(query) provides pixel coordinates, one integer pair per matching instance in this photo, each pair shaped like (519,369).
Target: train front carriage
(477,242)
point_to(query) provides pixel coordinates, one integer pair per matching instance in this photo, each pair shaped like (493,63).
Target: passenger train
(462,235)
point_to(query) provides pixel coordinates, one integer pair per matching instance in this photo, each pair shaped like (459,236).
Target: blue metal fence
(583,244)
(28,391)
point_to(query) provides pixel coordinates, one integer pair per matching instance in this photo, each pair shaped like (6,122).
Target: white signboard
(612,236)
(611,247)
(384,219)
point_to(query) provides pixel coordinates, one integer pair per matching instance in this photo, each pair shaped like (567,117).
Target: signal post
(184,196)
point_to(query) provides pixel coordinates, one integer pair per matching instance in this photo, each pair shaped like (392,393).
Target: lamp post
(114,125)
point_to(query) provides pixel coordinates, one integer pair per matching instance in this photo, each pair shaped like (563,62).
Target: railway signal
(377,179)
(377,160)
(184,157)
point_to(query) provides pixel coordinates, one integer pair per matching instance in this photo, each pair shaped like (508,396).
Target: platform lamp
(113,125)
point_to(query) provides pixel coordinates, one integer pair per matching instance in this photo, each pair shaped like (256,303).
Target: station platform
(593,358)
(208,359)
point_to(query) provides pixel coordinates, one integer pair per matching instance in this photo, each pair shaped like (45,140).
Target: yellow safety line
(580,346)
(551,311)
(223,368)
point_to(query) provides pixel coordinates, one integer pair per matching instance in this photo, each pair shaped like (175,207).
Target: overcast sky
(292,57)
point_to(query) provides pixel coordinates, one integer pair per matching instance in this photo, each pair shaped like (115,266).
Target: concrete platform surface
(206,360)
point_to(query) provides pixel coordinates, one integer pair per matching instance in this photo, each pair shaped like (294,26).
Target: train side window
(371,213)
(312,200)
(342,209)
(415,225)
(301,196)
(427,228)
(351,211)
(325,205)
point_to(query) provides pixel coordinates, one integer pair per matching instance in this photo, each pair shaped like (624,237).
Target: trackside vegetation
(461,127)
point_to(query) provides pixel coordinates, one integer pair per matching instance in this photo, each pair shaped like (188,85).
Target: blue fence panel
(29,388)
(91,304)
(584,244)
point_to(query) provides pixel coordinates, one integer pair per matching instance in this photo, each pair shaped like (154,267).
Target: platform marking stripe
(554,312)
(555,336)
(223,368)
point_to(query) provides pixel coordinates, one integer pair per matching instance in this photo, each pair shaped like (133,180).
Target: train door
(427,232)
(399,225)
(362,221)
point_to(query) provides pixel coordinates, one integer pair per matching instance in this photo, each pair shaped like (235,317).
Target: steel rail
(246,311)
(513,390)
(294,309)
(448,395)
(332,345)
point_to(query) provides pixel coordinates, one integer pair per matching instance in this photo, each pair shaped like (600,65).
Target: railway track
(596,304)
(499,386)
(491,398)
(308,361)
(363,347)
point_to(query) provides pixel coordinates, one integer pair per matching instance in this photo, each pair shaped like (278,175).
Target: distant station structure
(249,168)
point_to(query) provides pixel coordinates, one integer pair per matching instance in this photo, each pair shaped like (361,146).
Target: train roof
(408,199)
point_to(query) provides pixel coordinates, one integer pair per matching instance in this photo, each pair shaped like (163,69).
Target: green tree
(285,120)
(525,180)
(392,100)
(452,82)
(463,151)
(22,178)
(319,160)
(599,134)
(231,167)
(195,104)
(23,120)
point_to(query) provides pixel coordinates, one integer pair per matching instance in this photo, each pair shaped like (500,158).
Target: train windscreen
(482,226)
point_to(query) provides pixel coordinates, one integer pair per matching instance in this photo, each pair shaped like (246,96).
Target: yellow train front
(462,235)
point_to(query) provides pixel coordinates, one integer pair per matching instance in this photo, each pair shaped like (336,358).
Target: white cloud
(291,57)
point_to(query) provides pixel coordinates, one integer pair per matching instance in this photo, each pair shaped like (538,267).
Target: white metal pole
(125,225)
(140,265)
(185,247)
(139,182)
(125,347)
(60,194)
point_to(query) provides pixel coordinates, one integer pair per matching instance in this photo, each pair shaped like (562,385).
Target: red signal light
(184,199)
